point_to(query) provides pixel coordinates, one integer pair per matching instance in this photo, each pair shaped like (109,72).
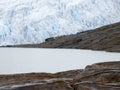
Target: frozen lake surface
(24,60)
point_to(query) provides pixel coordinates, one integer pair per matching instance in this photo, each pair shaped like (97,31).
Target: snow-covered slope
(32,21)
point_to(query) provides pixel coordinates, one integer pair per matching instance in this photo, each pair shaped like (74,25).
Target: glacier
(33,21)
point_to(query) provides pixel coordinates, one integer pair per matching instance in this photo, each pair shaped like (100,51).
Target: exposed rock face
(49,84)
(105,65)
(105,38)
(100,76)
(96,86)
(103,76)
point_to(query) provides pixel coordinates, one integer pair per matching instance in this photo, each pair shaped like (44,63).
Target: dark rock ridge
(100,76)
(105,38)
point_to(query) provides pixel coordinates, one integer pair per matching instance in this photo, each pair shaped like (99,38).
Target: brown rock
(105,65)
(48,84)
(100,76)
(28,77)
(106,72)
(69,74)
(58,85)
(103,76)
(96,86)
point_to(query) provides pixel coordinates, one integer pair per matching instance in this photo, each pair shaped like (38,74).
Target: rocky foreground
(105,38)
(100,76)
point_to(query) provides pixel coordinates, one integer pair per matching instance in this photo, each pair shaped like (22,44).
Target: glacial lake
(27,60)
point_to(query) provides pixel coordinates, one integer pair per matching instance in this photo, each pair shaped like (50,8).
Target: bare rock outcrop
(100,76)
(96,86)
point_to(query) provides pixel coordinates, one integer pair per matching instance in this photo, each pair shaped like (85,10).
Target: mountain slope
(104,38)
(33,21)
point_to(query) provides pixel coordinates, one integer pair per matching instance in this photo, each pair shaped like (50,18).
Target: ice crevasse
(33,21)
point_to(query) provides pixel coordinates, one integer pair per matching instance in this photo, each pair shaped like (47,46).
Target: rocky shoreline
(105,38)
(100,76)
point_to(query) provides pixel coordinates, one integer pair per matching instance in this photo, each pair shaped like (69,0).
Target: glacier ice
(32,21)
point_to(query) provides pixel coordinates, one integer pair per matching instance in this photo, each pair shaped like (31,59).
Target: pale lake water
(27,60)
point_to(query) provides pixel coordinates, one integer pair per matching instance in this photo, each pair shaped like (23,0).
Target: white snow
(32,21)
(21,60)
